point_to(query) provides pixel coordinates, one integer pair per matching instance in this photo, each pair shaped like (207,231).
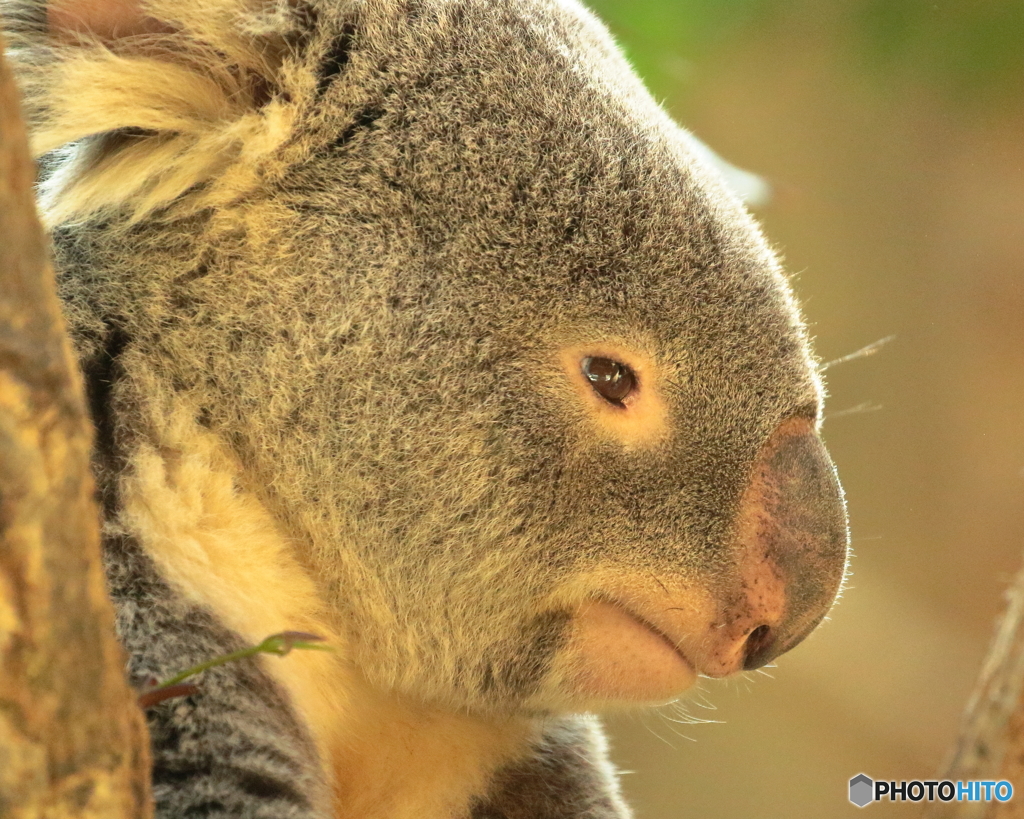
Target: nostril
(759,648)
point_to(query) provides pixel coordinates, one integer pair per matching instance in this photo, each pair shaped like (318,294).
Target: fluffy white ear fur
(154,99)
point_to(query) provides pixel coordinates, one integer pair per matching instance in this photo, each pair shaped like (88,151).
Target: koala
(419,326)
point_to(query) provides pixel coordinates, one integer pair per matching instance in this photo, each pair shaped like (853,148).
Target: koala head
(518,375)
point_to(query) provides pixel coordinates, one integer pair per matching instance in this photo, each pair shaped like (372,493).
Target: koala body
(418,325)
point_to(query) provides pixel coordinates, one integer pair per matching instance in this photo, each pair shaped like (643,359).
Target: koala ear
(149,100)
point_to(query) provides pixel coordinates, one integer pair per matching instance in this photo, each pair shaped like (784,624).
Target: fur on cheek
(220,547)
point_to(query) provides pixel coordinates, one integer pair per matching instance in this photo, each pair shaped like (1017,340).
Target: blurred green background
(892,132)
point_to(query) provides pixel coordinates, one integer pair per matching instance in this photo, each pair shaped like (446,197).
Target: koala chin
(418,325)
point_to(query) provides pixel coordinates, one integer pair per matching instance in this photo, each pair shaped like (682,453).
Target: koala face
(519,377)
(495,224)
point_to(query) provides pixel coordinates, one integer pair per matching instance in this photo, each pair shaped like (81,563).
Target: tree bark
(72,740)
(991,742)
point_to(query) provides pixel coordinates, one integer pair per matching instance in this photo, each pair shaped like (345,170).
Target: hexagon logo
(862,790)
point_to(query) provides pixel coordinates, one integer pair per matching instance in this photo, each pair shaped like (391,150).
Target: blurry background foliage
(892,134)
(964,50)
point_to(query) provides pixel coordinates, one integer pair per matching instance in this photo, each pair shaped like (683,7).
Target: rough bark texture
(991,742)
(1012,768)
(72,740)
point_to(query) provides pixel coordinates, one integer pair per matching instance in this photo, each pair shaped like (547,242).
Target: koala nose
(787,556)
(761,645)
(791,547)
(759,648)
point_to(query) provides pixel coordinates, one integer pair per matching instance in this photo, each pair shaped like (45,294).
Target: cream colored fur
(221,548)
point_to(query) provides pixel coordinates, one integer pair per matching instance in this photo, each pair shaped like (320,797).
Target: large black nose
(791,547)
(794,516)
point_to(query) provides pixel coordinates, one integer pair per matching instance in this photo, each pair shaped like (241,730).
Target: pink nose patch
(791,545)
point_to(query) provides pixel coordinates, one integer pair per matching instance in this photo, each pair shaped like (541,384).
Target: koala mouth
(620,657)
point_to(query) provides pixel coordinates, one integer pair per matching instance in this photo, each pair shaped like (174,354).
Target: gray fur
(366,327)
(234,749)
(566,776)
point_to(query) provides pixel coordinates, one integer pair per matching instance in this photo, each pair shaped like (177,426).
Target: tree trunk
(991,742)
(72,740)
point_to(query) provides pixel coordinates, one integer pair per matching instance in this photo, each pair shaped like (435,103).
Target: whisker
(863,352)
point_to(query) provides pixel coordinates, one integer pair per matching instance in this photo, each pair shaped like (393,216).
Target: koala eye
(610,379)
